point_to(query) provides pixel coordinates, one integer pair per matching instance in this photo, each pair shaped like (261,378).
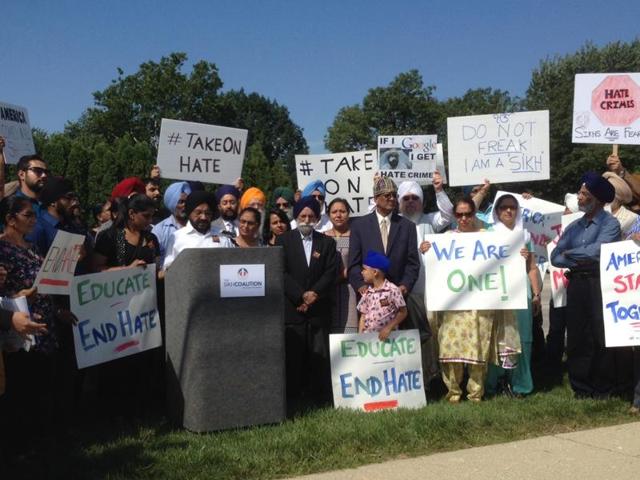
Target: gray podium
(225,356)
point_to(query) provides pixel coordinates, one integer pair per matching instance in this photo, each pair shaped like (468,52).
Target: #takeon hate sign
(368,374)
(503,147)
(346,175)
(606,108)
(410,157)
(16,130)
(196,151)
(117,314)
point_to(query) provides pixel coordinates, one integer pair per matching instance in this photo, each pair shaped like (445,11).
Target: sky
(314,57)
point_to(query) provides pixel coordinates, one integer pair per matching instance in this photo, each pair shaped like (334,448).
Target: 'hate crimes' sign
(620,283)
(59,266)
(371,375)
(16,130)
(117,314)
(195,151)
(504,147)
(409,157)
(475,271)
(606,108)
(346,175)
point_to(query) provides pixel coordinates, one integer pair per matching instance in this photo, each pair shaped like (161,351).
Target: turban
(312,187)
(623,191)
(310,202)
(377,260)
(384,185)
(227,190)
(599,187)
(252,194)
(284,192)
(54,189)
(410,188)
(128,186)
(198,198)
(173,192)
(571,202)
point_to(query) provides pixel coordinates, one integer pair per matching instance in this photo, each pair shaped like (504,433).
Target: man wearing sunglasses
(33,174)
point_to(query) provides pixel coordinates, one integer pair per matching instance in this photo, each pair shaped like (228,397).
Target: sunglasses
(39,171)
(282,205)
(318,197)
(463,214)
(415,198)
(508,207)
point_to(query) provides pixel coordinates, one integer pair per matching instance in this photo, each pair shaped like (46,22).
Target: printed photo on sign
(370,375)
(408,157)
(620,284)
(16,130)
(242,280)
(606,108)
(117,314)
(57,270)
(503,147)
(475,271)
(195,151)
(347,175)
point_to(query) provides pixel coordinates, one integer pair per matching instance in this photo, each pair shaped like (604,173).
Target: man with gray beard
(411,199)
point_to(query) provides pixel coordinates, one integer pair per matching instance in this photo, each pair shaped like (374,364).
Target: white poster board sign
(620,284)
(475,271)
(56,272)
(12,341)
(346,175)
(242,280)
(370,375)
(16,130)
(196,151)
(559,282)
(606,108)
(503,147)
(408,157)
(117,314)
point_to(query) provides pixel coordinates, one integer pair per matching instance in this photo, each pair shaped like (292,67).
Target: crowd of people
(341,275)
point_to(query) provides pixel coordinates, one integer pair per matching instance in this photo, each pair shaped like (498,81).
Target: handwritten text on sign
(408,157)
(620,283)
(16,130)
(606,108)
(475,271)
(346,175)
(117,314)
(195,151)
(504,147)
(370,375)
(59,266)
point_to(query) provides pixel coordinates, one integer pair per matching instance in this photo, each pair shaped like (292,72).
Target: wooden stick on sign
(615,149)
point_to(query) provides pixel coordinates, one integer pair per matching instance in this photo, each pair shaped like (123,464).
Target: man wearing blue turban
(174,198)
(316,190)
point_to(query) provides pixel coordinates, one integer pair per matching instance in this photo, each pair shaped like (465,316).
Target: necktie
(384,232)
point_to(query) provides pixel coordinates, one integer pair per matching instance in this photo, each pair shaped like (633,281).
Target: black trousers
(594,370)
(307,361)
(556,337)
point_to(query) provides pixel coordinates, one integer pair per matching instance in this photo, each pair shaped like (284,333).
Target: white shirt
(189,237)
(307,244)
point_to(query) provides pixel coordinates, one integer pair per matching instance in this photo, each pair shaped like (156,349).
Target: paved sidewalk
(602,453)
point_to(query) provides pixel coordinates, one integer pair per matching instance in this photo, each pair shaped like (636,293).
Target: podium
(225,355)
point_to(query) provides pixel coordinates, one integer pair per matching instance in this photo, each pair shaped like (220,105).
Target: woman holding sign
(507,218)
(464,337)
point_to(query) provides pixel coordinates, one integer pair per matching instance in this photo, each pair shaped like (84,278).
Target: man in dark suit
(386,232)
(310,275)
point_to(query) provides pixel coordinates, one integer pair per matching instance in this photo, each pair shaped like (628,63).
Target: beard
(228,214)
(201,226)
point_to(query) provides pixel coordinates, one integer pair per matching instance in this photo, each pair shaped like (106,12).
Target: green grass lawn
(313,441)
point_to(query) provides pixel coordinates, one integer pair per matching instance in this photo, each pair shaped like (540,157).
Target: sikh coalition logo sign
(242,280)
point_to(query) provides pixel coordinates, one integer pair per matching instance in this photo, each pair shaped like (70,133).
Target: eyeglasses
(414,198)
(39,171)
(282,205)
(464,214)
(508,207)
(389,196)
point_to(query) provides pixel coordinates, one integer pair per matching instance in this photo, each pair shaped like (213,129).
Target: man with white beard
(411,198)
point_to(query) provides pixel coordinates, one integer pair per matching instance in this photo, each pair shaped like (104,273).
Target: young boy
(382,307)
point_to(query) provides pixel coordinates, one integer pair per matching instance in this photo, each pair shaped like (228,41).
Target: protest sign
(195,151)
(606,108)
(440,163)
(117,314)
(542,219)
(11,340)
(620,284)
(408,157)
(57,270)
(559,281)
(16,130)
(475,271)
(370,375)
(504,147)
(346,175)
